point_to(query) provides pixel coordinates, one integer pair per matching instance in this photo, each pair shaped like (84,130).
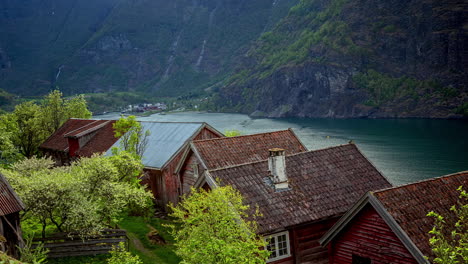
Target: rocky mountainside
(359,58)
(151,46)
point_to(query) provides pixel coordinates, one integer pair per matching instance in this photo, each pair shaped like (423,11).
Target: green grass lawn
(139,244)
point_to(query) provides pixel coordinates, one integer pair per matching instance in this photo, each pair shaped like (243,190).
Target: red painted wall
(73,146)
(369,236)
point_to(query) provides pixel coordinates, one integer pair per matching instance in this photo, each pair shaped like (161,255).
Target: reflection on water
(405,150)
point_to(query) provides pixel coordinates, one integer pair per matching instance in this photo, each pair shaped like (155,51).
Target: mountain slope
(362,58)
(152,46)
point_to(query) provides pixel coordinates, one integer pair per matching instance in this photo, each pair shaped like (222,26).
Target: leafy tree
(30,124)
(132,137)
(8,151)
(232,133)
(213,227)
(119,255)
(85,197)
(27,128)
(450,243)
(57,110)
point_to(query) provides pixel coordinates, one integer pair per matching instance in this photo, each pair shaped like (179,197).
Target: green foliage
(33,255)
(56,109)
(30,124)
(132,137)
(462,109)
(139,227)
(120,255)
(449,243)
(232,133)
(85,197)
(214,229)
(383,88)
(5,259)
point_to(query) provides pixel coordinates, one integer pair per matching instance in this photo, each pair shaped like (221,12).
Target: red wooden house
(79,138)
(167,143)
(391,225)
(300,196)
(229,151)
(10,228)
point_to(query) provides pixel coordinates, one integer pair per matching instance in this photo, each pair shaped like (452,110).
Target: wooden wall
(369,236)
(172,187)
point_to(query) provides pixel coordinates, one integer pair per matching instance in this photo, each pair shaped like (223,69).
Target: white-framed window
(278,246)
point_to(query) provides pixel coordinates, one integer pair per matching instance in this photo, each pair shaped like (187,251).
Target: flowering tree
(450,243)
(85,197)
(213,227)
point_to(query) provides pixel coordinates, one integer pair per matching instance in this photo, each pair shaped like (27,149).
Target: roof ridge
(94,121)
(290,155)
(323,149)
(168,122)
(249,135)
(420,181)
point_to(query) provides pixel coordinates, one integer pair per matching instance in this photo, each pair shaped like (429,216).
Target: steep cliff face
(338,58)
(153,46)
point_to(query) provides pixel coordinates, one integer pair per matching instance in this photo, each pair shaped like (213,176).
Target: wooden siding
(10,229)
(205,133)
(307,248)
(186,174)
(369,236)
(187,177)
(165,184)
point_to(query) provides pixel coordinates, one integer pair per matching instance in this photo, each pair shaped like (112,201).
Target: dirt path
(141,248)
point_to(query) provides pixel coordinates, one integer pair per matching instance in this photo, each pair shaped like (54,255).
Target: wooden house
(10,228)
(79,138)
(229,151)
(300,196)
(167,143)
(391,225)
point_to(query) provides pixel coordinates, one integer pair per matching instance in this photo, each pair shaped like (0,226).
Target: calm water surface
(405,150)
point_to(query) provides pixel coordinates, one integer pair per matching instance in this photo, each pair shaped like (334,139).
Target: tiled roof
(165,140)
(9,201)
(323,183)
(409,204)
(230,151)
(57,141)
(87,129)
(100,142)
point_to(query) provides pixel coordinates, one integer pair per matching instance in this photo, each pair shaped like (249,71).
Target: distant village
(144,107)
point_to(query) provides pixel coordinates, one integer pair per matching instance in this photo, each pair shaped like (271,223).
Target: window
(195,169)
(278,245)
(361,260)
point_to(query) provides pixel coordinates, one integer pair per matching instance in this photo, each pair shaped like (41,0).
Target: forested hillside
(151,46)
(343,58)
(276,58)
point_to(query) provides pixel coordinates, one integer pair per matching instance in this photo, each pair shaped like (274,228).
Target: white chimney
(277,168)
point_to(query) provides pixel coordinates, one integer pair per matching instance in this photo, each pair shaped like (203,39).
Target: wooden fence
(65,245)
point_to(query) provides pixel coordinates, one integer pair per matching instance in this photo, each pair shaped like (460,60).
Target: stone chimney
(277,168)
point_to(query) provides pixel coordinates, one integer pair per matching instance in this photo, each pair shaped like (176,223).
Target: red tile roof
(87,129)
(75,128)
(9,200)
(101,142)
(409,204)
(229,151)
(57,141)
(323,183)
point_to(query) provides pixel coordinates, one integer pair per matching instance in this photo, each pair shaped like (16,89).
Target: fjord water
(404,150)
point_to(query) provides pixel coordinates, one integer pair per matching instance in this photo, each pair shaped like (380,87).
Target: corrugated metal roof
(9,201)
(164,141)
